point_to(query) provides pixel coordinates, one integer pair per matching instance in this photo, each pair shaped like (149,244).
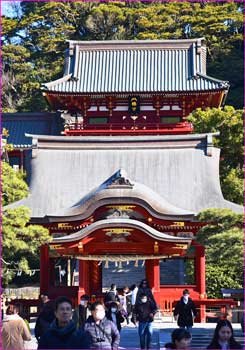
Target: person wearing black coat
(144,289)
(185,311)
(82,311)
(63,333)
(114,315)
(143,313)
(44,319)
(223,337)
(111,295)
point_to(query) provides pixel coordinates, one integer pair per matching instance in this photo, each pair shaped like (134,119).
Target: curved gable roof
(129,223)
(119,186)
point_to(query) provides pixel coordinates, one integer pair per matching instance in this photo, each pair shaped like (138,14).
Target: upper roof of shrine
(135,66)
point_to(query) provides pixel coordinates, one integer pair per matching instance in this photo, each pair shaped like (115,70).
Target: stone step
(201,337)
(130,338)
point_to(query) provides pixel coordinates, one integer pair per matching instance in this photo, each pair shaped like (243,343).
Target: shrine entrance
(122,251)
(122,274)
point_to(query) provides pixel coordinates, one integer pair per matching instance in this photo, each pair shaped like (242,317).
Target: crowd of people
(97,325)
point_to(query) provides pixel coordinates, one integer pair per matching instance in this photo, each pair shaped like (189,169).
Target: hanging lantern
(120,265)
(136,263)
(127,262)
(106,264)
(134,105)
(143,263)
(116,264)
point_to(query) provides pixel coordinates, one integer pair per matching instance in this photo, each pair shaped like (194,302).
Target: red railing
(214,308)
(129,128)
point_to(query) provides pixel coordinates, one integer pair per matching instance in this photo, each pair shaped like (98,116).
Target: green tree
(34,39)
(20,241)
(229,122)
(223,241)
(14,187)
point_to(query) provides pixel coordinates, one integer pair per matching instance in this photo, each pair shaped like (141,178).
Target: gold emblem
(56,246)
(117,231)
(64,225)
(178,223)
(121,207)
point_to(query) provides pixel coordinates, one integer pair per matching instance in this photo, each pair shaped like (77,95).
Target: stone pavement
(130,338)
(201,335)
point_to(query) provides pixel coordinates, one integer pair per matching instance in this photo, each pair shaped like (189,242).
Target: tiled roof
(182,169)
(135,66)
(18,124)
(120,183)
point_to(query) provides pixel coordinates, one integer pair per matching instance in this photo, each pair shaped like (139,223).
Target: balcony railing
(130,128)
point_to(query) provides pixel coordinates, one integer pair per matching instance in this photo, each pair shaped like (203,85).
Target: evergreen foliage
(14,187)
(229,122)
(223,241)
(20,241)
(34,39)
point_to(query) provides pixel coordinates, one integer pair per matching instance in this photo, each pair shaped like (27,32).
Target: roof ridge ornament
(73,78)
(119,180)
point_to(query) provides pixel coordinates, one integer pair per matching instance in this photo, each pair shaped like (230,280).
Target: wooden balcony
(76,129)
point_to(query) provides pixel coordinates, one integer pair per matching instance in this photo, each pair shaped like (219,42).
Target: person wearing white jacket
(14,330)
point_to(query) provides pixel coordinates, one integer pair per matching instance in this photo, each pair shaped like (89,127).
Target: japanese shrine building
(121,188)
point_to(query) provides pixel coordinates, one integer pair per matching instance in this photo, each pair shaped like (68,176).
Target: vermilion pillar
(201,278)
(153,276)
(95,275)
(83,278)
(44,269)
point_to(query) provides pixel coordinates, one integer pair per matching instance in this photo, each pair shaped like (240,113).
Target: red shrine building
(120,189)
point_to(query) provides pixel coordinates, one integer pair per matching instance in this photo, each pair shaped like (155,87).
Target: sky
(6,8)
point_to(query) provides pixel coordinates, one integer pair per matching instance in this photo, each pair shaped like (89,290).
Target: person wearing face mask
(62,333)
(82,311)
(125,303)
(114,315)
(103,332)
(143,313)
(185,311)
(144,288)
